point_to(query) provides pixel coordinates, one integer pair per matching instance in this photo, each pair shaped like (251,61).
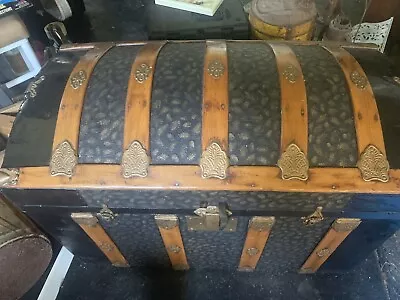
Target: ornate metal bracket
(373,165)
(63,160)
(214,162)
(135,161)
(293,163)
(216,69)
(359,80)
(8,177)
(78,79)
(290,73)
(142,73)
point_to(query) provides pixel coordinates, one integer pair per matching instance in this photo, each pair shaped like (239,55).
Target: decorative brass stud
(214,162)
(290,73)
(359,80)
(216,69)
(78,78)
(373,165)
(345,224)
(174,248)
(252,251)
(8,177)
(314,218)
(323,252)
(135,161)
(142,73)
(63,160)
(293,163)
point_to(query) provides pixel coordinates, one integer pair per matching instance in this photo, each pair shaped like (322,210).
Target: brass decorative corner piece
(359,80)
(63,160)
(314,218)
(215,69)
(323,252)
(290,73)
(214,162)
(142,73)
(252,251)
(8,177)
(78,79)
(293,163)
(345,224)
(166,221)
(373,165)
(85,219)
(262,223)
(135,161)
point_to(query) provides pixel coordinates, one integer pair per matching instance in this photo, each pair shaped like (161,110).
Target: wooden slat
(215,96)
(6,124)
(338,232)
(137,109)
(168,226)
(294,124)
(257,237)
(241,178)
(366,115)
(69,114)
(90,224)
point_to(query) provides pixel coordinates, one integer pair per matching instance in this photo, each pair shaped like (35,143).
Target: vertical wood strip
(215,96)
(168,225)
(294,125)
(69,114)
(137,107)
(338,232)
(90,224)
(366,115)
(256,239)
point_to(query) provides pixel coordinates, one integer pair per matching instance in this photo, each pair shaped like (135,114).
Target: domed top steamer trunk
(233,130)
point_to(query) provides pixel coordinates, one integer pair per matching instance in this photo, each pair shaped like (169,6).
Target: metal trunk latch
(212,218)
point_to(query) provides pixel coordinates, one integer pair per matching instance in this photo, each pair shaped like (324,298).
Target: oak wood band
(90,224)
(241,178)
(254,245)
(215,96)
(173,243)
(69,114)
(366,116)
(330,242)
(294,124)
(137,107)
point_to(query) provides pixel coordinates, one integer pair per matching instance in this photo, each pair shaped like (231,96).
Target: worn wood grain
(215,97)
(294,124)
(137,107)
(69,114)
(366,116)
(249,178)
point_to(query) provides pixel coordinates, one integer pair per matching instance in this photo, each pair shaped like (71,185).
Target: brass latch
(212,218)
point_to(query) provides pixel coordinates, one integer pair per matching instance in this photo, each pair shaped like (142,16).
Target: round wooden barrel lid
(22,262)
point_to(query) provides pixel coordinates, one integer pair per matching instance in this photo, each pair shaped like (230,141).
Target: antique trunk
(240,155)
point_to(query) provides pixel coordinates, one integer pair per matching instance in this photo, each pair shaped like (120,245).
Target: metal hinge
(212,218)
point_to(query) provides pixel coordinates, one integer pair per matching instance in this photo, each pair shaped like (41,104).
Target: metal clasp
(212,218)
(314,218)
